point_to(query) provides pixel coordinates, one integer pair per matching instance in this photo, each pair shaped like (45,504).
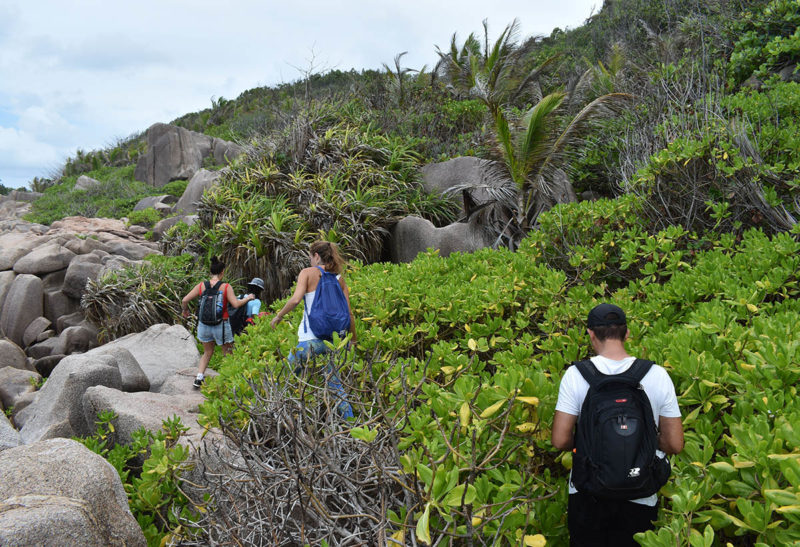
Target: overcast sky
(83,73)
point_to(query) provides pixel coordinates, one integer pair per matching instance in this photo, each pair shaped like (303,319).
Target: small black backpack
(210,312)
(616,437)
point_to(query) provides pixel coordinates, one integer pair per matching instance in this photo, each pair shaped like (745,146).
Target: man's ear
(627,335)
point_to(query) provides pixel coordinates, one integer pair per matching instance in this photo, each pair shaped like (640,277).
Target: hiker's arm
(346,292)
(188,298)
(235,302)
(563,434)
(670,438)
(294,300)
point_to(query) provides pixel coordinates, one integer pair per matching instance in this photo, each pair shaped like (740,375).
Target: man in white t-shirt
(599,522)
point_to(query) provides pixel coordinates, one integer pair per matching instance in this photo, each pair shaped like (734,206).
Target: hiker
(240,318)
(214,329)
(322,255)
(597,515)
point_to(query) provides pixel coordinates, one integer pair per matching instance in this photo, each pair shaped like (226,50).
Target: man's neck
(612,349)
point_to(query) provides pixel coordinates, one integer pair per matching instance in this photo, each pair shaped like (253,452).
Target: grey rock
(85,183)
(45,259)
(199,183)
(133,377)
(790,73)
(14,383)
(79,338)
(43,348)
(49,333)
(71,320)
(54,280)
(24,195)
(143,409)
(23,304)
(14,245)
(160,351)
(45,365)
(81,269)
(86,245)
(58,492)
(175,153)
(37,327)
(22,402)
(58,304)
(414,235)
(163,225)
(57,411)
(11,355)
(153,201)
(132,251)
(6,278)
(9,438)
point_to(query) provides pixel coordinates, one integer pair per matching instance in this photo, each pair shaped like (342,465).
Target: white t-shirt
(656,383)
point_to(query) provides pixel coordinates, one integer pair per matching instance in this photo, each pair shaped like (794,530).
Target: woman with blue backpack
(213,319)
(326,309)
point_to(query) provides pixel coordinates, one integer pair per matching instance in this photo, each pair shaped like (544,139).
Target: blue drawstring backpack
(329,312)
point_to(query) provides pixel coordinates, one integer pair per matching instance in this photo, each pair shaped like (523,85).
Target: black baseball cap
(604,315)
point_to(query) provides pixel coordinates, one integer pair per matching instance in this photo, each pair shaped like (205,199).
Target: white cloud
(80,74)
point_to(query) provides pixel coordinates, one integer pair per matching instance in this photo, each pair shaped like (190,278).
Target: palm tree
(535,150)
(397,76)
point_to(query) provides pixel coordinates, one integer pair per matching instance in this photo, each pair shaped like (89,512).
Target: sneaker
(198,382)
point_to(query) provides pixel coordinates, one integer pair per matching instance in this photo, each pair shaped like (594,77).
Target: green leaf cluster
(154,494)
(472,347)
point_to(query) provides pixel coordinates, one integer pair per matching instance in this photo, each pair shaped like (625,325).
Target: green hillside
(681,117)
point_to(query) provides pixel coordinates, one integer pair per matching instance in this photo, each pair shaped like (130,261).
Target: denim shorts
(215,333)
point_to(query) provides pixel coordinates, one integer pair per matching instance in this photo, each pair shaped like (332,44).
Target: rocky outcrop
(414,235)
(58,492)
(175,153)
(9,437)
(85,183)
(161,351)
(57,410)
(199,183)
(161,203)
(15,383)
(43,275)
(11,355)
(23,304)
(147,409)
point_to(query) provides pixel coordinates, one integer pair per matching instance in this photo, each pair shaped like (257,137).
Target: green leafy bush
(467,352)
(154,494)
(144,217)
(137,297)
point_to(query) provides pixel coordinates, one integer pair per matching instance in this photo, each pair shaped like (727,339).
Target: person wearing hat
(255,287)
(593,521)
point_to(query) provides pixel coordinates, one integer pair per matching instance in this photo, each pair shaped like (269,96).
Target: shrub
(137,297)
(154,493)
(462,356)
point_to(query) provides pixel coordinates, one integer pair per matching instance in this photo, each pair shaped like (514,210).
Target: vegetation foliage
(456,370)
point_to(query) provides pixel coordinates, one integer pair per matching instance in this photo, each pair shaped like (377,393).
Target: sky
(85,73)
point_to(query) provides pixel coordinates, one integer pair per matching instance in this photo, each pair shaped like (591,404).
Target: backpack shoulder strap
(216,285)
(588,371)
(638,370)
(205,285)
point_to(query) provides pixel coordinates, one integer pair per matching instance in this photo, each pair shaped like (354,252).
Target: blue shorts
(214,333)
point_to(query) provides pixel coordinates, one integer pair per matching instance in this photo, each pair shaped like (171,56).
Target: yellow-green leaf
(492,410)
(464,413)
(423,527)
(537,540)
(472,344)
(533,401)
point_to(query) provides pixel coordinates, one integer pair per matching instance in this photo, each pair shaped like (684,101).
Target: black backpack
(210,312)
(616,437)
(238,318)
